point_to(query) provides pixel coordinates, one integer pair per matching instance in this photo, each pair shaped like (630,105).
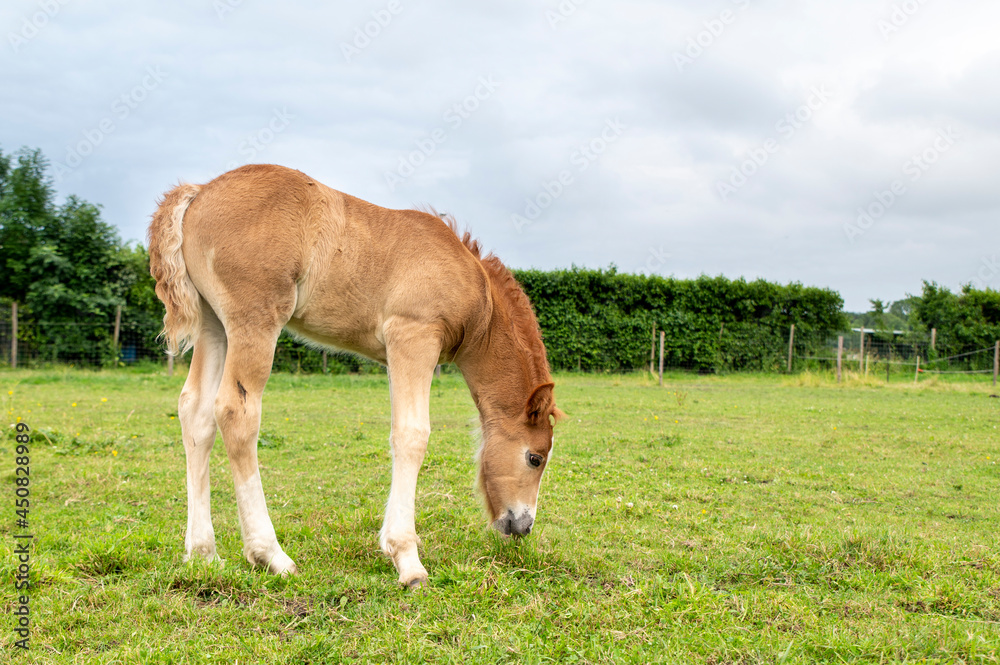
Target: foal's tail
(166,264)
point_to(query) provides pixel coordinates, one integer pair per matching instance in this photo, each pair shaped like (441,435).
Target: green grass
(738,519)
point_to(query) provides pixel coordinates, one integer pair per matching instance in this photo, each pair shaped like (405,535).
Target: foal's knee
(409,443)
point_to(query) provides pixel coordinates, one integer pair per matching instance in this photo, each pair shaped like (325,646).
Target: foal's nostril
(502,524)
(521,526)
(509,525)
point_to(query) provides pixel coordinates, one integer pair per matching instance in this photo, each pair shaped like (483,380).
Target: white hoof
(282,565)
(274,559)
(204,552)
(414,580)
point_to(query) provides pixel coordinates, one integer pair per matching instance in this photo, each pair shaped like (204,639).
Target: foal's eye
(534,460)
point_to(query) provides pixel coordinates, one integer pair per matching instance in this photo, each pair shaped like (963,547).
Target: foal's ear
(540,404)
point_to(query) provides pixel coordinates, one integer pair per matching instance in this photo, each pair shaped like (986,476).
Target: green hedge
(603,320)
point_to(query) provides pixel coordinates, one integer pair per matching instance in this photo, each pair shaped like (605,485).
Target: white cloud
(655,187)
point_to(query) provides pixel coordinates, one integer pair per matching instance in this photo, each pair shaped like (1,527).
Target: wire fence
(94,345)
(893,355)
(82,344)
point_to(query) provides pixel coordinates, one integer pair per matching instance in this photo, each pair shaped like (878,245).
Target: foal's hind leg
(196,409)
(237,410)
(411,360)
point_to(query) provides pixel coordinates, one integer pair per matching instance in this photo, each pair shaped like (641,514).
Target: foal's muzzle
(509,525)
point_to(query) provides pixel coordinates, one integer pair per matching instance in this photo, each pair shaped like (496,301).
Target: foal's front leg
(410,374)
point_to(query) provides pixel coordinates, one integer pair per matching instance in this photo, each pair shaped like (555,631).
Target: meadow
(734,519)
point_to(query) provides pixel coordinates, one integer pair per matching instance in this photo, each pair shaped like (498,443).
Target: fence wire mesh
(877,353)
(92,345)
(733,349)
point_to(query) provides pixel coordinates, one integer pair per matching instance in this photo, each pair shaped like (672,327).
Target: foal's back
(268,246)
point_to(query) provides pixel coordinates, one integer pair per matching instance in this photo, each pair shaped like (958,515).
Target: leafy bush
(603,319)
(965,322)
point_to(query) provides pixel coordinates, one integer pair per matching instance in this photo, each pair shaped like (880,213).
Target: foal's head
(501,366)
(516,449)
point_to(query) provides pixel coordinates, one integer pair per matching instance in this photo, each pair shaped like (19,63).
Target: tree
(966,322)
(25,211)
(876,316)
(66,267)
(903,309)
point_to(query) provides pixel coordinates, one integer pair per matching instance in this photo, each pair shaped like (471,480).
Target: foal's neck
(498,372)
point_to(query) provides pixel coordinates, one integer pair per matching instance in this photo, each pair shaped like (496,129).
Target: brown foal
(262,248)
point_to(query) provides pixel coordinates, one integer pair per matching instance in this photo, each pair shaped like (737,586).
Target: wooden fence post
(861,352)
(840,356)
(791,342)
(933,338)
(324,361)
(916,374)
(663,337)
(170,365)
(718,349)
(13,335)
(118,329)
(652,351)
(996,362)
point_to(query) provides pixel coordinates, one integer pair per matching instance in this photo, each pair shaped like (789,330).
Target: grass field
(737,519)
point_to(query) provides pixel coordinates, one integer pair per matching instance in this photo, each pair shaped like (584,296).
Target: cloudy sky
(852,145)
